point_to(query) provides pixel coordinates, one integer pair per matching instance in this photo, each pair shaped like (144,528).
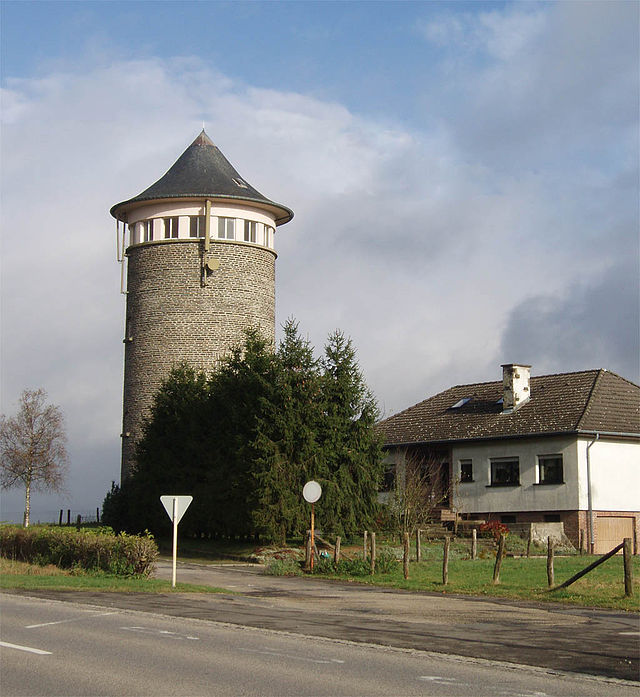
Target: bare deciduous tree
(32,447)
(418,490)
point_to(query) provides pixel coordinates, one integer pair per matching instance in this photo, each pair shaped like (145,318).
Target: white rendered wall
(529,496)
(615,475)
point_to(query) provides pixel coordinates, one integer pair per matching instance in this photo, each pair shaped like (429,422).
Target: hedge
(91,550)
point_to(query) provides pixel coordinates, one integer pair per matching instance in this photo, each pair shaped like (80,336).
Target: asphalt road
(559,638)
(55,648)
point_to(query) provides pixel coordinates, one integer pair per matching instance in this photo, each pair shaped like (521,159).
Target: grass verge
(15,574)
(520,578)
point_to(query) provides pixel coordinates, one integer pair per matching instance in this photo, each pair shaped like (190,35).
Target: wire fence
(59,516)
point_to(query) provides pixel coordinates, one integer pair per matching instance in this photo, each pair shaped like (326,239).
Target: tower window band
(250,231)
(226,228)
(170,228)
(196,226)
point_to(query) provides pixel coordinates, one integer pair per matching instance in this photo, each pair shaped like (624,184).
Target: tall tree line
(244,440)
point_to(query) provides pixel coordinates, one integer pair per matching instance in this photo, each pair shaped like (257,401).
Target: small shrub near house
(493,528)
(87,549)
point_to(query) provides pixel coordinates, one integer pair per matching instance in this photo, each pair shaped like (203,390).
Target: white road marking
(74,619)
(25,648)
(161,632)
(438,679)
(295,658)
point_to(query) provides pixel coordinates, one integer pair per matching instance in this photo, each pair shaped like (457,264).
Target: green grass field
(521,578)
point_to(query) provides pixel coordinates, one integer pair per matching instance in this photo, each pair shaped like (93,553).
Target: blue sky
(464,178)
(370,56)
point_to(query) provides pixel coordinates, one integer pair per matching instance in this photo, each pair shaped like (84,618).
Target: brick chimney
(515,386)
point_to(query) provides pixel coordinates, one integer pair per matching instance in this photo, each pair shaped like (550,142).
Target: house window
(466,471)
(196,226)
(550,469)
(552,518)
(507,519)
(268,236)
(250,231)
(147,228)
(226,228)
(505,472)
(170,228)
(389,478)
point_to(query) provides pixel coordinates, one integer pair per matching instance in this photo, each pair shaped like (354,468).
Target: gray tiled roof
(592,400)
(202,171)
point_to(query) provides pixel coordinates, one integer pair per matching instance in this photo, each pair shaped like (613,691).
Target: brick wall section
(573,521)
(172,317)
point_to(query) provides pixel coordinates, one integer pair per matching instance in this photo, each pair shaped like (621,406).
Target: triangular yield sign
(182,503)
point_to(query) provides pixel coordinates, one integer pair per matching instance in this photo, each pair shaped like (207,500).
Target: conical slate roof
(202,171)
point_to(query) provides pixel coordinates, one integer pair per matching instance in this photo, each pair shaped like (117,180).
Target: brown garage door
(611,530)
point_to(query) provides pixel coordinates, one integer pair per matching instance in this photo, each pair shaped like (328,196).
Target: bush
(493,528)
(386,562)
(89,550)
(283,567)
(354,567)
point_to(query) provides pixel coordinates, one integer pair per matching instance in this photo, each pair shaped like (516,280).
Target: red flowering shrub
(494,528)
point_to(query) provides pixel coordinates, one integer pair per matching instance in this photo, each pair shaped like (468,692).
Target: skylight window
(241,183)
(461,402)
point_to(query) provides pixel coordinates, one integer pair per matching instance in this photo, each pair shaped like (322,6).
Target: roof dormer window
(240,182)
(461,402)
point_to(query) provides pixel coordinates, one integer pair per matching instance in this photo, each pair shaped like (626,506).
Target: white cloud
(423,246)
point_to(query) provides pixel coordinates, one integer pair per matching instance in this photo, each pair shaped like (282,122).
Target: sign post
(311,492)
(175,506)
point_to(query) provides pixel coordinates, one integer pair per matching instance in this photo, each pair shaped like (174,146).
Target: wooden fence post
(445,561)
(308,551)
(97,515)
(474,543)
(529,541)
(68,516)
(405,558)
(550,562)
(418,547)
(496,568)
(373,553)
(60,521)
(78,521)
(336,551)
(627,553)
(364,545)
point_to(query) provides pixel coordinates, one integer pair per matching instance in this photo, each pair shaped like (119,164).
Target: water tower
(200,270)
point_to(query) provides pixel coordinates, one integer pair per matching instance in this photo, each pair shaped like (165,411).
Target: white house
(554,448)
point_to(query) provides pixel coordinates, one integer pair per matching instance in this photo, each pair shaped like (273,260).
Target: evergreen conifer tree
(172,455)
(286,443)
(352,455)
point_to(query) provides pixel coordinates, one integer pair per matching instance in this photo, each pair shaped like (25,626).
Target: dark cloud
(592,326)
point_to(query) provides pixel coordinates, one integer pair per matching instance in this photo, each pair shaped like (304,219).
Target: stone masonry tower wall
(173,317)
(200,255)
